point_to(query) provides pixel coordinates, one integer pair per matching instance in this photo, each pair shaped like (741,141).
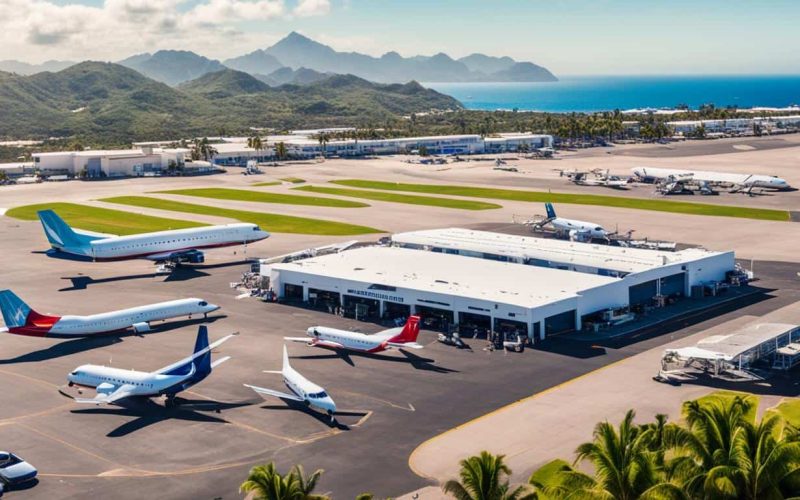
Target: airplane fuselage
(716,178)
(106,379)
(352,341)
(308,391)
(163,243)
(565,226)
(75,326)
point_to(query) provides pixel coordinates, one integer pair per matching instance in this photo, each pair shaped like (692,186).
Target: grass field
(275,223)
(680,207)
(263,184)
(789,409)
(293,180)
(402,198)
(261,197)
(102,220)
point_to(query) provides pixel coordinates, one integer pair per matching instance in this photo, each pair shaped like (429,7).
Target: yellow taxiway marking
(12,420)
(408,407)
(502,409)
(32,379)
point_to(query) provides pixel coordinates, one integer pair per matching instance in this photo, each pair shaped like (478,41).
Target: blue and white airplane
(115,384)
(575,229)
(173,247)
(302,389)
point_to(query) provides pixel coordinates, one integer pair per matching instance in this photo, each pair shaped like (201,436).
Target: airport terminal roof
(621,259)
(728,347)
(523,286)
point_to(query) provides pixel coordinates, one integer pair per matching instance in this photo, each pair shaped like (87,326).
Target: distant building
(146,160)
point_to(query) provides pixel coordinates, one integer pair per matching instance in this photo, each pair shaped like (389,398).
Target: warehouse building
(558,290)
(142,161)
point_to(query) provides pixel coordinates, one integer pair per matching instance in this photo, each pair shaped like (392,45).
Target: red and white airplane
(333,338)
(20,319)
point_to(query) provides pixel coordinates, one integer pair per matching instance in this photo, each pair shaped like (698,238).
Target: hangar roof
(627,260)
(729,346)
(492,281)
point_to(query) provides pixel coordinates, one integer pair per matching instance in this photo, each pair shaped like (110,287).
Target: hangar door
(560,323)
(674,284)
(642,293)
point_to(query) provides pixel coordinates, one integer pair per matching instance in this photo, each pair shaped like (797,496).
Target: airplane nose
(330,406)
(213,307)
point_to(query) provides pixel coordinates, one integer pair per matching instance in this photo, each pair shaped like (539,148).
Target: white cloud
(307,8)
(36,30)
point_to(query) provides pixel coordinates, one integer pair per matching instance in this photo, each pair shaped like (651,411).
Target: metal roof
(627,260)
(498,282)
(729,347)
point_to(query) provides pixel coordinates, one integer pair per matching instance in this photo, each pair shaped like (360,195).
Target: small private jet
(596,177)
(20,319)
(332,338)
(302,390)
(166,248)
(738,183)
(576,230)
(115,384)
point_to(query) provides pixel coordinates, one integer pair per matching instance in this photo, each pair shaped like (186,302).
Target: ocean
(601,93)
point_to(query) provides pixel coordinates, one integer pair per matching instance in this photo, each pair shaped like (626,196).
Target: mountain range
(109,103)
(303,55)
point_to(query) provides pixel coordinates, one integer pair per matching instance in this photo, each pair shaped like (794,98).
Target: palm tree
(266,483)
(485,477)
(255,143)
(625,467)
(724,453)
(323,142)
(280,150)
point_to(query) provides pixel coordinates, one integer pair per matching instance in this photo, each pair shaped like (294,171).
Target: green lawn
(262,197)
(789,409)
(659,205)
(263,184)
(102,220)
(276,223)
(293,180)
(402,198)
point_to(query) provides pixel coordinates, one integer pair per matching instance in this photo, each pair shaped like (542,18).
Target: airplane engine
(195,257)
(105,388)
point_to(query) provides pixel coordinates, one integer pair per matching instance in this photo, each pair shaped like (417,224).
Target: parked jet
(737,182)
(170,247)
(115,384)
(321,336)
(575,229)
(302,389)
(20,319)
(595,177)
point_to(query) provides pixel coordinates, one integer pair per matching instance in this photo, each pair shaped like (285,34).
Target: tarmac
(392,402)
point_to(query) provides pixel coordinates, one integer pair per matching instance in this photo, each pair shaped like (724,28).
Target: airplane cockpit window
(74,373)
(318,395)
(202,303)
(256,228)
(598,228)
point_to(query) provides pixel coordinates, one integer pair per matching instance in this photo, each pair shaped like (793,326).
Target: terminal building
(494,281)
(143,161)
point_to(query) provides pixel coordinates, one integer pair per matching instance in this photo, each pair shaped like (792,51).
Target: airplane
(169,248)
(594,177)
(302,389)
(577,230)
(115,384)
(20,319)
(332,338)
(738,182)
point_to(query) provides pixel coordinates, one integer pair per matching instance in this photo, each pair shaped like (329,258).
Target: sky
(569,37)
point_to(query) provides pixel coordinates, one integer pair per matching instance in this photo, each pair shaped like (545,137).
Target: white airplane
(332,338)
(173,247)
(302,389)
(594,177)
(738,182)
(20,319)
(115,384)
(575,229)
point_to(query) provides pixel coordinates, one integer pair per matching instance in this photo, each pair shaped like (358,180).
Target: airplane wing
(277,394)
(313,341)
(124,391)
(409,345)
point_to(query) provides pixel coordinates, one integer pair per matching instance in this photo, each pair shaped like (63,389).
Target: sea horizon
(591,93)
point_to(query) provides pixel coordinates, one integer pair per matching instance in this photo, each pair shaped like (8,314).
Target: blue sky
(567,36)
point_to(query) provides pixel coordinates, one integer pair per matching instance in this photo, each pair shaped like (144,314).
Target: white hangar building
(537,285)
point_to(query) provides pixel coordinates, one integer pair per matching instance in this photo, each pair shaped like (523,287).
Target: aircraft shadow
(22,487)
(418,362)
(147,412)
(82,344)
(784,385)
(316,415)
(83,282)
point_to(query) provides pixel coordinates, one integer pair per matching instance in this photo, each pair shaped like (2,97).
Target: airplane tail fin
(15,311)
(551,212)
(58,232)
(286,364)
(409,333)
(203,361)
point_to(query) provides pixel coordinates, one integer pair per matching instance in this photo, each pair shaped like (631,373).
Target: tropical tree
(280,150)
(255,142)
(725,453)
(264,482)
(485,477)
(323,142)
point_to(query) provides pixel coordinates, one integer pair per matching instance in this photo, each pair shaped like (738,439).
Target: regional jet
(170,248)
(20,319)
(736,182)
(115,384)
(575,229)
(332,338)
(301,389)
